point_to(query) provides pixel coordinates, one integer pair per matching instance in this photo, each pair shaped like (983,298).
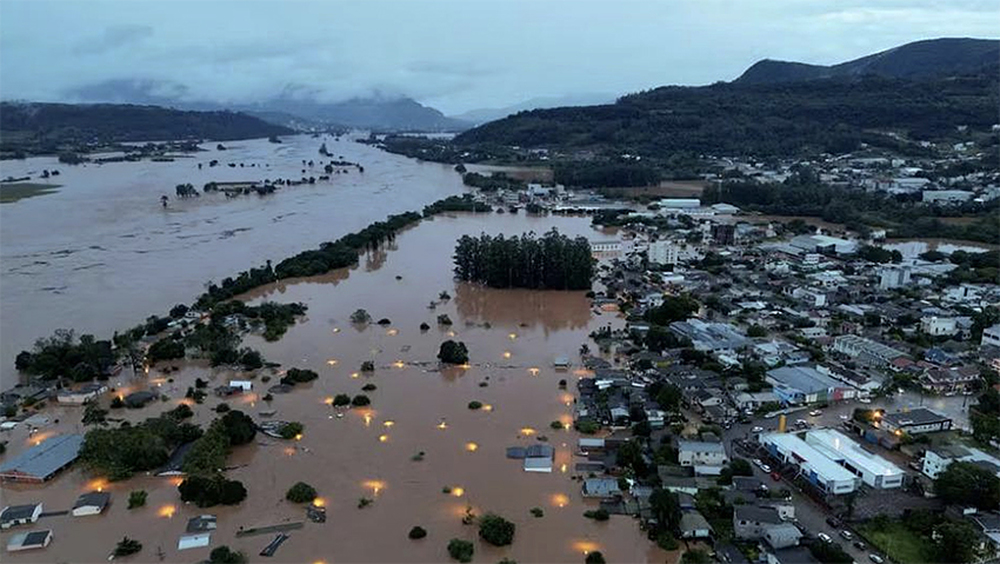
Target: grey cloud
(113,37)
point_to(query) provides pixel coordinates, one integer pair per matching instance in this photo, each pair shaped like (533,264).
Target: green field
(899,543)
(14,191)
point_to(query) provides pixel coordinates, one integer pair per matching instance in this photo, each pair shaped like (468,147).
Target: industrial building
(42,461)
(866,351)
(915,421)
(710,337)
(873,470)
(804,384)
(814,466)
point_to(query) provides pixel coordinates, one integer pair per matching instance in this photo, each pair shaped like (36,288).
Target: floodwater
(102,254)
(416,408)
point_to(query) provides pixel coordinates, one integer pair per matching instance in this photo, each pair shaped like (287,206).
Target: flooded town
(732,323)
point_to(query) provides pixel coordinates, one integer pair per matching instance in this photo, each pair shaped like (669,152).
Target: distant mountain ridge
(932,58)
(482,115)
(778,109)
(45,126)
(296,107)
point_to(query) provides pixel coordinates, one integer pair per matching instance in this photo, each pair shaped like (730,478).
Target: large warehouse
(874,470)
(800,384)
(815,466)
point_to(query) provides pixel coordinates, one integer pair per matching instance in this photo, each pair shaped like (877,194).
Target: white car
(757,429)
(758,462)
(815,413)
(824,537)
(844,417)
(846,534)
(765,468)
(875,558)
(865,400)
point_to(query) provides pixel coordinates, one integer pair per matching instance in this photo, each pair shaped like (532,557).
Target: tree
(666,508)
(594,557)
(496,530)
(967,484)
(93,414)
(127,546)
(224,555)
(461,550)
(301,492)
(360,316)
(452,352)
(599,514)
(417,533)
(340,400)
(955,542)
(673,308)
(136,498)
(630,456)
(756,331)
(291,430)
(360,400)
(239,427)
(695,556)
(829,553)
(210,491)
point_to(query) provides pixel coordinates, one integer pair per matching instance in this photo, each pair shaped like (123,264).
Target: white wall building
(945,196)
(938,458)
(873,470)
(991,336)
(816,467)
(699,453)
(893,277)
(938,326)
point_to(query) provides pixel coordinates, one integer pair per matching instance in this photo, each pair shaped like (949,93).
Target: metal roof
(805,379)
(44,460)
(839,444)
(918,416)
(807,455)
(98,499)
(16,512)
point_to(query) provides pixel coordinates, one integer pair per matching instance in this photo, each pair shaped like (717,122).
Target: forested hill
(787,118)
(932,58)
(59,124)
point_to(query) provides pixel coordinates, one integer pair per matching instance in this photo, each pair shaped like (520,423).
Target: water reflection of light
(506,354)
(289,451)
(442,425)
(328,400)
(39,438)
(388,423)
(527,431)
(186,401)
(368,419)
(567,421)
(471,447)
(332,362)
(465,366)
(354,375)
(560,500)
(336,329)
(452,333)
(298,437)
(585,547)
(487,407)
(512,336)
(375,486)
(383,438)
(563,468)
(533,371)
(319,502)
(167,511)
(458,491)
(392,332)
(97,484)
(176,481)
(399,364)
(566,399)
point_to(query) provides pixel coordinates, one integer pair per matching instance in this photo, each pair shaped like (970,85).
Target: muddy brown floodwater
(102,254)
(415,408)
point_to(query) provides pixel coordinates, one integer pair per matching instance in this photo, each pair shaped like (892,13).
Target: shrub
(557,425)
(587,427)
(537,512)
(301,492)
(443,319)
(594,557)
(424,327)
(597,514)
(137,498)
(298,376)
(417,533)
(369,387)
(291,430)
(127,546)
(360,400)
(384,321)
(461,550)
(224,555)
(222,407)
(496,530)
(474,405)
(360,316)
(341,400)
(368,366)
(452,352)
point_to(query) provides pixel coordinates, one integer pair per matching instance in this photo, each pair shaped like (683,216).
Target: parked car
(765,468)
(844,416)
(859,545)
(846,534)
(758,462)
(824,537)
(876,558)
(865,400)
(757,429)
(833,521)
(815,413)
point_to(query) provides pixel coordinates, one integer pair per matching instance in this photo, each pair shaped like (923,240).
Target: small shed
(561,362)
(29,540)
(538,458)
(201,524)
(194,541)
(243,385)
(694,526)
(91,503)
(601,487)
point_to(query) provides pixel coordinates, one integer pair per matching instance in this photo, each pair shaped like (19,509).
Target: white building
(873,470)
(245,385)
(701,453)
(938,458)
(91,503)
(814,466)
(938,326)
(945,196)
(991,336)
(679,203)
(663,252)
(605,246)
(893,277)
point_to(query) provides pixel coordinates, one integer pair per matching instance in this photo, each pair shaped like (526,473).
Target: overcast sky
(455,55)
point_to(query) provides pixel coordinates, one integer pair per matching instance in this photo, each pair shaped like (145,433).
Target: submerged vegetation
(553,262)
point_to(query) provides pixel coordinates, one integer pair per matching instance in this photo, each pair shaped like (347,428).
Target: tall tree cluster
(553,261)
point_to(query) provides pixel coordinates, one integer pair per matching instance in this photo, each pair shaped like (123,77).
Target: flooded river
(102,253)
(512,336)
